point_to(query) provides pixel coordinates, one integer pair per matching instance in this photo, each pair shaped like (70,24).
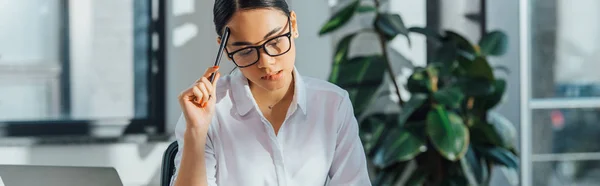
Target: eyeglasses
(273,47)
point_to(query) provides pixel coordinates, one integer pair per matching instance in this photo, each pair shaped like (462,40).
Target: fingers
(203,90)
(205,93)
(210,70)
(198,94)
(209,87)
(217,76)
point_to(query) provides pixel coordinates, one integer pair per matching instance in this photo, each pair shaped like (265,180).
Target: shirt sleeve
(349,166)
(209,155)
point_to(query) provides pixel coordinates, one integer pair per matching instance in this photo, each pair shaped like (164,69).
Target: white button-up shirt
(317,144)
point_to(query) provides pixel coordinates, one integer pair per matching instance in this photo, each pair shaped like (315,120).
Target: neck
(271,97)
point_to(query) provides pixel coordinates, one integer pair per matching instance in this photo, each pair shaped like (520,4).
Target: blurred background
(95,82)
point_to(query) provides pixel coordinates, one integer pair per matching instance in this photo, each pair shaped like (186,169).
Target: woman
(267,125)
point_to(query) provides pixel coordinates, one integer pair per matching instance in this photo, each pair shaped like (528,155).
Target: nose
(265,60)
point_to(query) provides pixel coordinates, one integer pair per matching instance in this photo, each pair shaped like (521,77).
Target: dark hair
(224,9)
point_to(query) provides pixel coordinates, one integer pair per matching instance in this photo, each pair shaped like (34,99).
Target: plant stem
(383,43)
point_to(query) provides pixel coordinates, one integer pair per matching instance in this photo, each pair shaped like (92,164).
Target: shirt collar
(244,101)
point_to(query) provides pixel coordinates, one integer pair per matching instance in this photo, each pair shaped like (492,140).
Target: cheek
(289,59)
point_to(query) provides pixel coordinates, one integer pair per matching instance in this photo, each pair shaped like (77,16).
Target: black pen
(224,38)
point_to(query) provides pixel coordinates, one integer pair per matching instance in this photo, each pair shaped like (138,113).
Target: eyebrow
(243,43)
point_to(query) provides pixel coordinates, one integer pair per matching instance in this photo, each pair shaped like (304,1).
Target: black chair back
(168,164)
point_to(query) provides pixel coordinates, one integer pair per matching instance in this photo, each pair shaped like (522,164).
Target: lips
(273,76)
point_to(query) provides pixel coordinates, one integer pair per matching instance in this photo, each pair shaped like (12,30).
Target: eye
(274,41)
(245,52)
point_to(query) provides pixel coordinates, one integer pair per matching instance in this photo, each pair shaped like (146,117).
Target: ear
(294,22)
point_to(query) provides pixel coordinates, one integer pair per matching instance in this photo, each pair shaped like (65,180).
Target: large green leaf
(365,9)
(361,97)
(419,81)
(340,18)
(391,25)
(475,168)
(445,54)
(378,139)
(434,38)
(475,86)
(416,101)
(488,102)
(361,77)
(451,96)
(447,132)
(361,69)
(483,133)
(465,48)
(505,130)
(428,32)
(494,43)
(479,68)
(461,67)
(399,145)
(341,54)
(371,128)
(499,156)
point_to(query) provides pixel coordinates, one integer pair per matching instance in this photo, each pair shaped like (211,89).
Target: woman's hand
(198,101)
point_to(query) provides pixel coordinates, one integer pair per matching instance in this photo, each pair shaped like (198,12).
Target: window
(564,87)
(81,67)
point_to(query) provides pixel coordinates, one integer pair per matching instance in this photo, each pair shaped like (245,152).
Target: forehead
(253,25)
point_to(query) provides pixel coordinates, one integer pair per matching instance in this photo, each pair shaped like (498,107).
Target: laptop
(30,175)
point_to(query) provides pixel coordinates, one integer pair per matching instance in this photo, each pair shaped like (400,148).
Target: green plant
(447,128)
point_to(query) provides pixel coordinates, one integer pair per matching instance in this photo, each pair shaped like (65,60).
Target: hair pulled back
(224,9)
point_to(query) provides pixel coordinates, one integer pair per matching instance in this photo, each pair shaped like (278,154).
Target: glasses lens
(245,57)
(274,47)
(278,45)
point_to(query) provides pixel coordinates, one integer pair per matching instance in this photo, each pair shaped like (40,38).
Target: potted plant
(447,130)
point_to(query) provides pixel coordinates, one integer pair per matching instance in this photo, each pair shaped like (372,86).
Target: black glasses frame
(263,46)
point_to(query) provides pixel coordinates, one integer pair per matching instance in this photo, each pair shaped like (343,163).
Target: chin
(271,87)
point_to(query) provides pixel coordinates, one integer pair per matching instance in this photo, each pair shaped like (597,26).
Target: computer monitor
(28,175)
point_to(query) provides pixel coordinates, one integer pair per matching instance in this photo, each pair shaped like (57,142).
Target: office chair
(168,165)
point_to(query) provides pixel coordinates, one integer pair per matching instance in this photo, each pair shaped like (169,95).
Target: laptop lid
(28,175)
